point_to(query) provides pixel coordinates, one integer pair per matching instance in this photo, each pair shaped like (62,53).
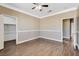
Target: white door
(1,33)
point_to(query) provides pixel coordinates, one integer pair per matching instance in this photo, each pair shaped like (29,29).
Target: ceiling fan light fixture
(39,7)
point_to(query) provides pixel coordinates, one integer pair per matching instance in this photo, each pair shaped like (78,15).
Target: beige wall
(54,23)
(50,27)
(25,24)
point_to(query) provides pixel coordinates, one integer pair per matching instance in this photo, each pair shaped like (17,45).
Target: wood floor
(39,47)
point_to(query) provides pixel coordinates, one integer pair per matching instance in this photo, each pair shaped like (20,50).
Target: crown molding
(16,9)
(60,12)
(27,13)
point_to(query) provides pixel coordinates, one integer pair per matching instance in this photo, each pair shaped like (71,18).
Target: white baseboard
(37,38)
(27,40)
(67,37)
(51,39)
(10,39)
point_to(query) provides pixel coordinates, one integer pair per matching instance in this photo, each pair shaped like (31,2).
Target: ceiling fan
(39,6)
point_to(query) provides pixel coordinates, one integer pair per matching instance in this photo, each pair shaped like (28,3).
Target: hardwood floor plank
(39,47)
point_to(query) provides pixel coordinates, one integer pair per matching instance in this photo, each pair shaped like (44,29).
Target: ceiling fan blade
(44,5)
(33,7)
(36,3)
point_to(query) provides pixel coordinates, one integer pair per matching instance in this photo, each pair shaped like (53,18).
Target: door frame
(2,35)
(15,24)
(75,31)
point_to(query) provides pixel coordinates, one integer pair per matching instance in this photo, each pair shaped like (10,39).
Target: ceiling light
(39,7)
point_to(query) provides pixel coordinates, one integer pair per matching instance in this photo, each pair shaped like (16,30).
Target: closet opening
(68,31)
(9,31)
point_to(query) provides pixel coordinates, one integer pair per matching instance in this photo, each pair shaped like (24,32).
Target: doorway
(9,31)
(68,30)
(9,35)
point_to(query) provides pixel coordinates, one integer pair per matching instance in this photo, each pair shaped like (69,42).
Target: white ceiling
(55,7)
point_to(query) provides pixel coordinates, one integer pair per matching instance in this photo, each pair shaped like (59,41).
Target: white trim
(51,39)
(38,36)
(27,40)
(66,37)
(38,30)
(62,30)
(50,30)
(60,12)
(27,13)
(2,39)
(28,30)
(75,32)
(16,30)
(15,24)
(13,8)
(17,42)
